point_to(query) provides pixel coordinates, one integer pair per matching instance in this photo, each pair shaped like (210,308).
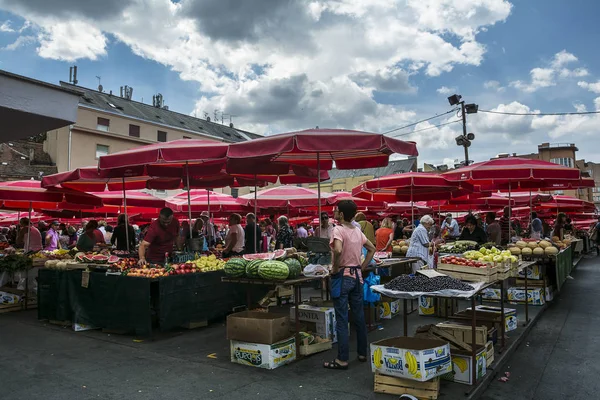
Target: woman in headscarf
(420,243)
(365,226)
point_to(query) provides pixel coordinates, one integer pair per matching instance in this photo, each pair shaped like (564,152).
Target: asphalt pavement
(558,358)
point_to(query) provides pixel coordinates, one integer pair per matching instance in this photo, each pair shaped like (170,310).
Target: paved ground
(558,358)
(38,360)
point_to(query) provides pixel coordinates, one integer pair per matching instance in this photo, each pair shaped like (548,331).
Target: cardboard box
(549,293)
(426,305)
(491,294)
(462,366)
(322,317)
(429,390)
(535,296)
(388,307)
(533,272)
(7,297)
(411,358)
(268,356)
(510,315)
(257,327)
(463,332)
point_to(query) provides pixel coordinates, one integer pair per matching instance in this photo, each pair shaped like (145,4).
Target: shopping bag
(369,295)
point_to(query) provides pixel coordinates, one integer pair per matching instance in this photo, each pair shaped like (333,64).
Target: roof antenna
(100,88)
(73,75)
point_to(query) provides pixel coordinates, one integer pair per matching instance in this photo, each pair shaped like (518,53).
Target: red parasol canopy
(134,198)
(349,149)
(90,179)
(405,207)
(31,193)
(411,186)
(360,202)
(512,169)
(199,200)
(288,196)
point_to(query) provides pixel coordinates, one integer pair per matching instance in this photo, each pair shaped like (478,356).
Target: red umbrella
(90,179)
(32,192)
(288,196)
(201,200)
(403,207)
(318,149)
(134,198)
(360,202)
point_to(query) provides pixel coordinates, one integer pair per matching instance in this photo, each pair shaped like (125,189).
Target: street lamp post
(466,138)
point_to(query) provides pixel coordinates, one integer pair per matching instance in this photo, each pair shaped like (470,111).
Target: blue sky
(361,65)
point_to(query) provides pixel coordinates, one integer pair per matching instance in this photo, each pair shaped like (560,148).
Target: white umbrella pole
(126,217)
(187,184)
(318,184)
(255,214)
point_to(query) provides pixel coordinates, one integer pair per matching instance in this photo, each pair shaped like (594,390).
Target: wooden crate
(195,324)
(470,277)
(489,353)
(398,386)
(308,349)
(464,332)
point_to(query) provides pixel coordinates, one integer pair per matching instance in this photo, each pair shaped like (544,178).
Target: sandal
(334,365)
(362,359)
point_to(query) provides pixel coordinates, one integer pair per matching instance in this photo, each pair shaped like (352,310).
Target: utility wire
(540,114)
(418,122)
(426,129)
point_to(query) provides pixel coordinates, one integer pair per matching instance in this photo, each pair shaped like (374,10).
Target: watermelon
(235,267)
(113,259)
(100,259)
(274,270)
(294,266)
(277,254)
(252,268)
(79,257)
(303,261)
(88,258)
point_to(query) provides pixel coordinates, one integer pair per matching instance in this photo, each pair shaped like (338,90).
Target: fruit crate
(399,386)
(471,274)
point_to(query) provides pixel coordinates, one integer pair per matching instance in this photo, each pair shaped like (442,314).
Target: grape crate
(468,270)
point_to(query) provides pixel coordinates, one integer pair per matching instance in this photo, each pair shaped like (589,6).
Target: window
(103,124)
(559,192)
(161,136)
(187,137)
(234,192)
(160,192)
(134,130)
(101,150)
(565,161)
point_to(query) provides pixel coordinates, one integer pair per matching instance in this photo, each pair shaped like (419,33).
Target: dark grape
(421,283)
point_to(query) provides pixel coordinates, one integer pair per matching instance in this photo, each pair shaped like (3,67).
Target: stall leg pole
(126,217)
(319,184)
(29,231)
(405,317)
(509,213)
(502,318)
(248,297)
(526,298)
(474,342)
(255,215)
(297,296)
(187,184)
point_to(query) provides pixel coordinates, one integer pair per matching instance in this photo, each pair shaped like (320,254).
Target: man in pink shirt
(347,243)
(52,237)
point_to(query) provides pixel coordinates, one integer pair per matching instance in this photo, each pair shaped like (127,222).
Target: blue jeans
(352,293)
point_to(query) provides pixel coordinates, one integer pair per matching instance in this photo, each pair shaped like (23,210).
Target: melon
(397,249)
(521,244)
(544,244)
(515,251)
(402,243)
(294,266)
(532,245)
(555,239)
(274,270)
(100,259)
(538,251)
(526,251)
(235,267)
(404,249)
(551,250)
(113,259)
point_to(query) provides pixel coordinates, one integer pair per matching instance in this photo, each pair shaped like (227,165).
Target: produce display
(491,255)
(235,267)
(533,247)
(421,283)
(400,247)
(52,255)
(274,270)
(259,268)
(265,256)
(463,261)
(207,263)
(457,247)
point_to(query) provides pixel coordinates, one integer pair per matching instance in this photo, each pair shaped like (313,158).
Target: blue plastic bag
(369,295)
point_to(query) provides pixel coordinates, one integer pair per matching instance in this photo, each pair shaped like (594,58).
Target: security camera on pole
(466,138)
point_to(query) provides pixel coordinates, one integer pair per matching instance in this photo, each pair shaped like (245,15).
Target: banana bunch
(411,363)
(461,363)
(386,309)
(378,358)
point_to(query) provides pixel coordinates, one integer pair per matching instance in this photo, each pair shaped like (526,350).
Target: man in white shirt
(325,230)
(451,225)
(302,232)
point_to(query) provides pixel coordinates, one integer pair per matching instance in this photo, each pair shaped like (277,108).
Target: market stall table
(295,283)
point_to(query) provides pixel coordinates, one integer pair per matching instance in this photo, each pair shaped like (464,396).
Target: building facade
(593,170)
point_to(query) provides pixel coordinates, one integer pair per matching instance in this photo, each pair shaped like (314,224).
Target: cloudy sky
(281,65)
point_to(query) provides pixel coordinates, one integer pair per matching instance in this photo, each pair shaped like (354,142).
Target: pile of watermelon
(259,268)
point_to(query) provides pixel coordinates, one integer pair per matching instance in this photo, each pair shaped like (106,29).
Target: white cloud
(19,42)
(593,87)
(493,85)
(549,75)
(69,41)
(6,27)
(447,90)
